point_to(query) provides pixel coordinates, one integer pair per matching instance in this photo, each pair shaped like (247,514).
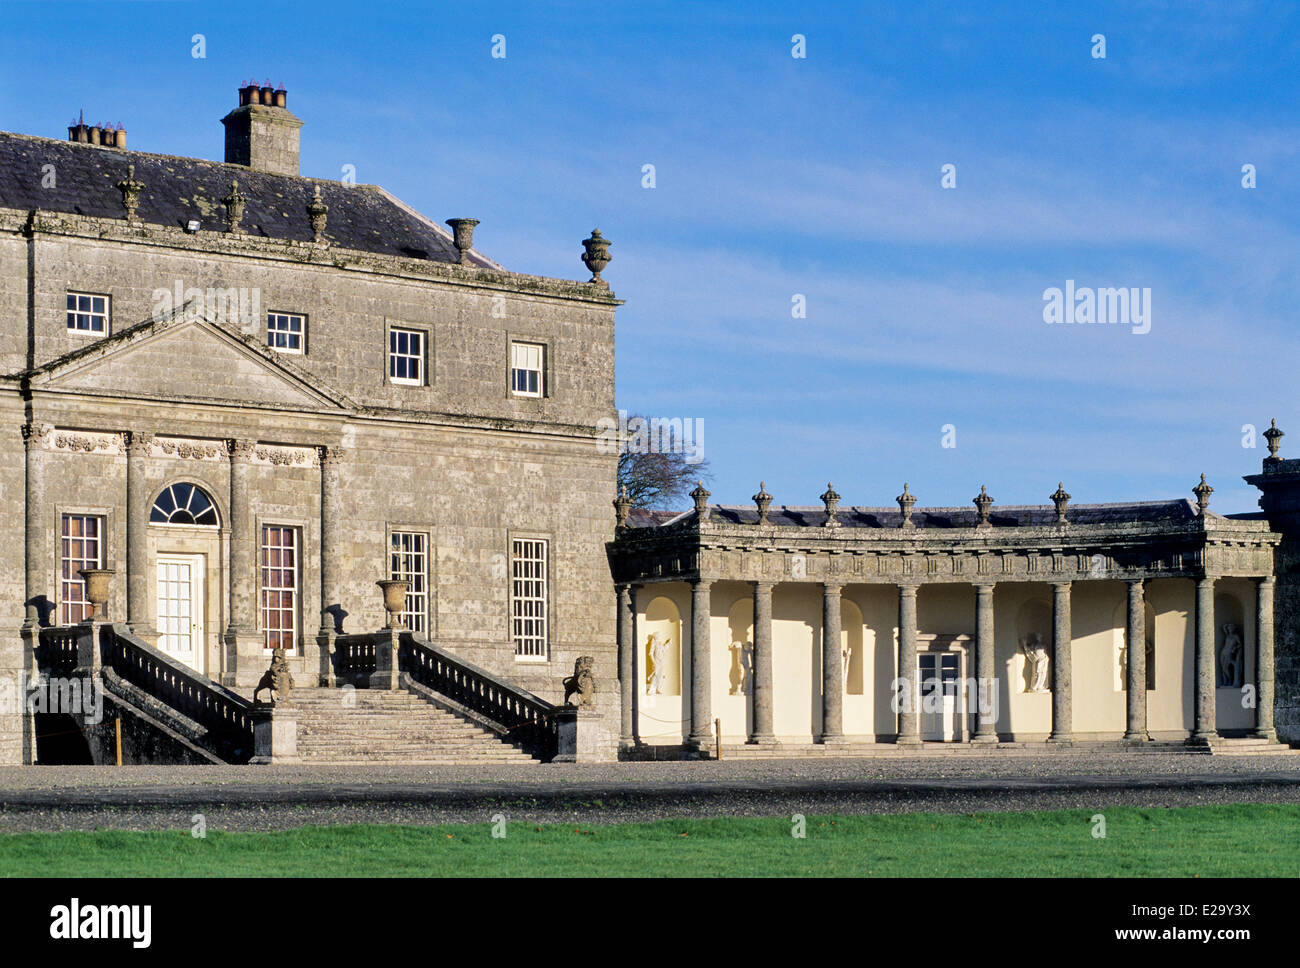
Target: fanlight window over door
(184,504)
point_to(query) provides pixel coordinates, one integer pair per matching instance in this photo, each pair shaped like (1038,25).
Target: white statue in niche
(1231,658)
(1035,652)
(658,646)
(846,654)
(742,658)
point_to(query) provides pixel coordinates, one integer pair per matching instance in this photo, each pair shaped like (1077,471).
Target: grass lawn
(1213,841)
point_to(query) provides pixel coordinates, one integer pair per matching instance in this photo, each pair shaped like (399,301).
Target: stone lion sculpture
(277,680)
(582,682)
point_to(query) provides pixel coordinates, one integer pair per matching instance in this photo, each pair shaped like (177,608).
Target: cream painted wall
(1170,707)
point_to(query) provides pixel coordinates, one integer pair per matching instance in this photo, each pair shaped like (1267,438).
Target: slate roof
(640,518)
(1011,516)
(177,190)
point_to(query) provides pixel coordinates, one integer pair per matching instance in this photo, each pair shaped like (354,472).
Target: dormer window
(87,314)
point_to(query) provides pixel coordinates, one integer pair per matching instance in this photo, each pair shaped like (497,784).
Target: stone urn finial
(983,503)
(596,257)
(234,203)
(130,187)
(832,501)
(763,501)
(394,600)
(463,236)
(906,501)
(1062,501)
(622,505)
(316,211)
(1274,438)
(97,582)
(701,498)
(1202,492)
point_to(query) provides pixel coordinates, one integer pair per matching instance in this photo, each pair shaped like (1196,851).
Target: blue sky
(818,176)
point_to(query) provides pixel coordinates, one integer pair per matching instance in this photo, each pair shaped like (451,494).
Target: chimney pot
(94,134)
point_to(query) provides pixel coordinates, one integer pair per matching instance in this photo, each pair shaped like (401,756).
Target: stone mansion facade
(252,394)
(236,398)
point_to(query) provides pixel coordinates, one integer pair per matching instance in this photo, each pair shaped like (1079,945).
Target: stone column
(1264,659)
(38,564)
(626,672)
(1062,708)
(832,667)
(243,643)
(986,727)
(701,735)
(137,524)
(331,550)
(1205,731)
(761,677)
(330,542)
(908,695)
(1136,650)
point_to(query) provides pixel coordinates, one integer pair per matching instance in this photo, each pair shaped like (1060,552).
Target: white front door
(940,677)
(180,608)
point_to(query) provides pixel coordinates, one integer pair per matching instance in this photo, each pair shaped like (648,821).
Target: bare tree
(658,468)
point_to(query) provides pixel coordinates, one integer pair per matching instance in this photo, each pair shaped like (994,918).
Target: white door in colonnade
(180,608)
(939,674)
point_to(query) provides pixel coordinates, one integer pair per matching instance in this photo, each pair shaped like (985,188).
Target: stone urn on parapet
(97,581)
(97,592)
(395,592)
(388,642)
(596,257)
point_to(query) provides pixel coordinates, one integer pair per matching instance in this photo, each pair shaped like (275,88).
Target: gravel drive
(263,798)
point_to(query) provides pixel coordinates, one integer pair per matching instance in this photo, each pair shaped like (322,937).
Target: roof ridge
(189,158)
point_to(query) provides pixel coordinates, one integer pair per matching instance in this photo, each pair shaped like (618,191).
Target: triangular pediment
(184,358)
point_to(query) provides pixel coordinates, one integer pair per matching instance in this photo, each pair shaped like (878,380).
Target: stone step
(383,726)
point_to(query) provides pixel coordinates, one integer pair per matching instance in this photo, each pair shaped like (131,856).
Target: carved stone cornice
(241,450)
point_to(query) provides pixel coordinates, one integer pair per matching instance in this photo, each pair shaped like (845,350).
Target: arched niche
(661,634)
(740,647)
(1033,623)
(1229,641)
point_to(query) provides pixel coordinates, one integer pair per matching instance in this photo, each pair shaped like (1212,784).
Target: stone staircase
(346,726)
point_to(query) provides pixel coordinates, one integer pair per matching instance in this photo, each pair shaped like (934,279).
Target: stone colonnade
(761,732)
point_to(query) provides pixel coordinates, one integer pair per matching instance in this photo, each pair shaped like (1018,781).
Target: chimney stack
(103,135)
(261,133)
